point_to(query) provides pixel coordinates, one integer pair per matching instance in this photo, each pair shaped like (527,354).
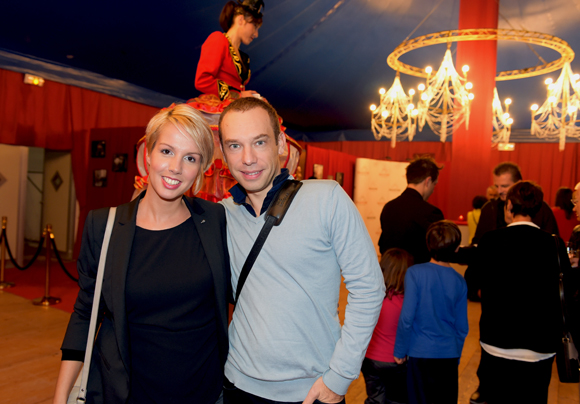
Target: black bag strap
(561,285)
(274,216)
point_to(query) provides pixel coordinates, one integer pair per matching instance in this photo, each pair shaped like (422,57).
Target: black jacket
(518,271)
(109,377)
(404,222)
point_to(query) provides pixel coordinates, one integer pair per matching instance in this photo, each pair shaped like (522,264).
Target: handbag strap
(561,287)
(274,216)
(95,310)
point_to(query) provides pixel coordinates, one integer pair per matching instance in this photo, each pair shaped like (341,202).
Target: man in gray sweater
(286,342)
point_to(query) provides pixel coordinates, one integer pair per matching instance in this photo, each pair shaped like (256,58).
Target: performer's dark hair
(247,104)
(421,168)
(526,198)
(443,238)
(249,9)
(508,167)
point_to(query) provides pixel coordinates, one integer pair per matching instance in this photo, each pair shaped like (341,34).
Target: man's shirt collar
(239,194)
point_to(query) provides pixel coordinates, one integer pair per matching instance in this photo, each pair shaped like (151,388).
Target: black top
(517,269)
(172,318)
(404,222)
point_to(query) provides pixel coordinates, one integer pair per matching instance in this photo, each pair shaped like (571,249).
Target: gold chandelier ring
(486,34)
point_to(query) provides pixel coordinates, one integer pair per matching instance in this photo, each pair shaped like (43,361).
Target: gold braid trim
(235,57)
(223,90)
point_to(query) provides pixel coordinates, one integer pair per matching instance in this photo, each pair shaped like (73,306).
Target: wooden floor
(30,339)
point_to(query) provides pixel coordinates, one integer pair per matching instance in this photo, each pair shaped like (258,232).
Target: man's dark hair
(421,168)
(443,238)
(478,202)
(526,198)
(246,104)
(508,167)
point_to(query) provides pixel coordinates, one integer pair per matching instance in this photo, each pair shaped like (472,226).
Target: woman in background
(385,380)
(163,327)
(473,216)
(564,212)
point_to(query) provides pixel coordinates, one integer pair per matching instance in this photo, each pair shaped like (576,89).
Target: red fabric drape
(540,162)
(60,117)
(472,147)
(333,162)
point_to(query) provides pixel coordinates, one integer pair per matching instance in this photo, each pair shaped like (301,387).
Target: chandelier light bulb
(548,81)
(428,69)
(424,97)
(465,68)
(470,96)
(384,114)
(382,91)
(415,112)
(510,121)
(551,86)
(506,115)
(508,101)
(469,85)
(411,92)
(373,107)
(410,107)
(552,99)
(534,107)
(421,87)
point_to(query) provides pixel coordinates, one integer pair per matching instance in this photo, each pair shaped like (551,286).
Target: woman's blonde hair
(394,264)
(189,122)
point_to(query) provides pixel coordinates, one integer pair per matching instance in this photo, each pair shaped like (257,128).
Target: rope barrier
(60,260)
(36,254)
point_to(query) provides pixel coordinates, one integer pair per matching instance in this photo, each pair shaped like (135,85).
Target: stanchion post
(3,284)
(47,300)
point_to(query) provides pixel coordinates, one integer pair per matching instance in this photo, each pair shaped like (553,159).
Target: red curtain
(540,162)
(333,162)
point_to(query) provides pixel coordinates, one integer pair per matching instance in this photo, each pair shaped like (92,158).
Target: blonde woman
(163,331)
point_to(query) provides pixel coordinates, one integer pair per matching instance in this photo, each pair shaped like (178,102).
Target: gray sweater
(285,331)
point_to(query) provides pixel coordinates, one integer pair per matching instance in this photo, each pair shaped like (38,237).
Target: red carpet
(30,283)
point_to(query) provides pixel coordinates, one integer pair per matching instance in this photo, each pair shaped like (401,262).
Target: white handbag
(78,393)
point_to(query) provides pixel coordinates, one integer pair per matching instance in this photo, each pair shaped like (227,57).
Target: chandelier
(502,122)
(558,115)
(444,102)
(395,117)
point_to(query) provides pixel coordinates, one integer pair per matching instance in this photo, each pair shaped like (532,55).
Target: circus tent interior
(108,67)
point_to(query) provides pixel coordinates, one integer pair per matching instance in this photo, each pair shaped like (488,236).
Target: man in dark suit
(505,175)
(405,219)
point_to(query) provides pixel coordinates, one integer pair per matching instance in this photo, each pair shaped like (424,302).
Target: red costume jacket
(220,70)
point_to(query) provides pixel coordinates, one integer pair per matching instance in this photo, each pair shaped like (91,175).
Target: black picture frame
(98,149)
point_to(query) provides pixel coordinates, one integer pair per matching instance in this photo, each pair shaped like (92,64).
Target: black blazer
(109,378)
(404,222)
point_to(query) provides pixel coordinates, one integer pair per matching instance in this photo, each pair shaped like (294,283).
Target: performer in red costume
(223,69)
(223,72)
